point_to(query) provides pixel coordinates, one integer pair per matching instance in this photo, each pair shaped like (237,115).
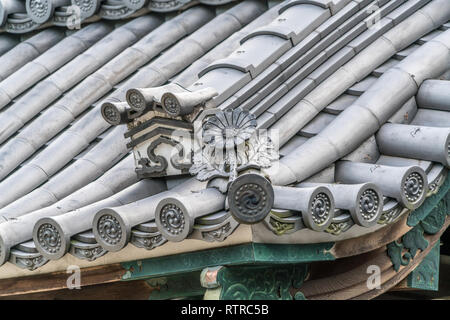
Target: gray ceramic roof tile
(359,88)
(254,86)
(354,20)
(340,104)
(79,68)
(346,37)
(434,94)
(333,5)
(279,106)
(431,118)
(305,70)
(292,144)
(363,3)
(298,21)
(22,20)
(269,100)
(346,13)
(225,80)
(254,55)
(403,162)
(97,150)
(222,50)
(266,120)
(331,131)
(366,38)
(7,42)
(384,67)
(367,152)
(332,64)
(429,36)
(294,95)
(406,113)
(67,49)
(28,50)
(296,52)
(403,12)
(93,123)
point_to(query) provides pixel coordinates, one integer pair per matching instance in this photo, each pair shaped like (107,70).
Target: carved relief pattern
(89,254)
(426,275)
(262,283)
(433,187)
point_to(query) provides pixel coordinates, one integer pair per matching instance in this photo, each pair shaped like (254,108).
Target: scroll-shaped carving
(183,103)
(147,240)
(114,11)
(316,204)
(175,216)
(171,99)
(160,122)
(281,221)
(166,5)
(41,11)
(87,7)
(250,198)
(20,23)
(134,4)
(214,227)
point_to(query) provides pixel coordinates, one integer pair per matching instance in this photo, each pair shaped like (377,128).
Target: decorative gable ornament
(160,126)
(230,144)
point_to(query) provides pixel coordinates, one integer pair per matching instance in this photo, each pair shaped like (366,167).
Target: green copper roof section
(430,203)
(250,253)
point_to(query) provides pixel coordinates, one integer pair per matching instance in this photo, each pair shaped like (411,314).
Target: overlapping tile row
(162,68)
(77,100)
(22,16)
(311,79)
